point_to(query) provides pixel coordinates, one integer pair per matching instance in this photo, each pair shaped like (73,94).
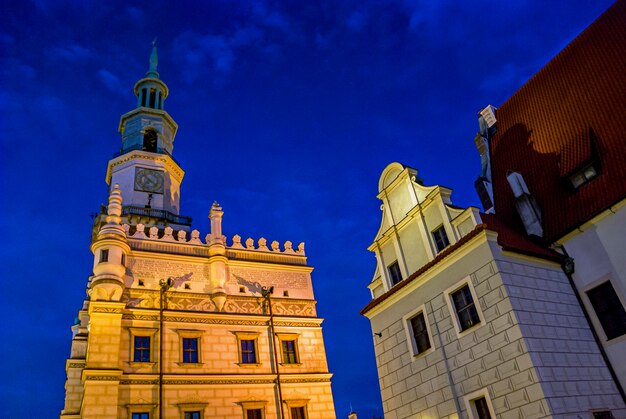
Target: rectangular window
(248,352)
(441,239)
(420,333)
(290,356)
(394,273)
(142,349)
(298,412)
(190,350)
(123,259)
(603,415)
(104,255)
(254,414)
(140,415)
(464,307)
(192,415)
(609,309)
(482,408)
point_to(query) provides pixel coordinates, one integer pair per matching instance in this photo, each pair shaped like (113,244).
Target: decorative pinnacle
(154,61)
(115,202)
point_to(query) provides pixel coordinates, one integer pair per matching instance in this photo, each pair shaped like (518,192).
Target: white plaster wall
(517,353)
(400,202)
(598,252)
(413,246)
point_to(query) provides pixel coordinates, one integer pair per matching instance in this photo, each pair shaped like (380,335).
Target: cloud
(111,81)
(73,53)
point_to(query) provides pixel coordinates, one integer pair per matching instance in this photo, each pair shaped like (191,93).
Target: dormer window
(579,178)
(394,273)
(441,238)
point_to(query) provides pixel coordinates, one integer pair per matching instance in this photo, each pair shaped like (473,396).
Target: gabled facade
(485,325)
(180,326)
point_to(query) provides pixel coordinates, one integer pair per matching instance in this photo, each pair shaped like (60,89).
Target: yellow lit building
(176,326)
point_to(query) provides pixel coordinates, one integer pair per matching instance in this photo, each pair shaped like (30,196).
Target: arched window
(150,140)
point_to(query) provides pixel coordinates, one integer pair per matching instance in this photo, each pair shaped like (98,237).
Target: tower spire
(154,61)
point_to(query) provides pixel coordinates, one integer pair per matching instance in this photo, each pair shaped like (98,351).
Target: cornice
(175,170)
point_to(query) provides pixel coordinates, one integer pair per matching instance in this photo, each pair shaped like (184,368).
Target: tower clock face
(147,180)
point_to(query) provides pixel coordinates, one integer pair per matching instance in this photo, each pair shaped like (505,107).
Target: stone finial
(126,228)
(263,244)
(167,233)
(288,247)
(250,243)
(215,215)
(114,209)
(301,248)
(139,233)
(195,237)
(237,242)
(154,233)
(275,246)
(154,62)
(182,236)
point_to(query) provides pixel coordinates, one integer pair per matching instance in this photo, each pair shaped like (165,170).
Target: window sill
(135,364)
(291,364)
(248,364)
(190,364)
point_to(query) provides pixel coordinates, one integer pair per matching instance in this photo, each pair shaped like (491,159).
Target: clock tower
(148,176)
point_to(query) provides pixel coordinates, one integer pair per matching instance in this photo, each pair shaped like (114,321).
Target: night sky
(287,113)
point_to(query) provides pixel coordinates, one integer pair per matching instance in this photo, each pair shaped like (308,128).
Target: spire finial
(154,61)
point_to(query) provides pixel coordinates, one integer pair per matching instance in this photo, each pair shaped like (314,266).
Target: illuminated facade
(517,312)
(175,326)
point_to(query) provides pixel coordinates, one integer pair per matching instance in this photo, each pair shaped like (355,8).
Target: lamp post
(267,292)
(164,286)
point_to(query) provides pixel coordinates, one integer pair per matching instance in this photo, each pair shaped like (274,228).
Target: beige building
(176,326)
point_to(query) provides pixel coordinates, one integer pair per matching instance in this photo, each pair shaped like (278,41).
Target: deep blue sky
(287,113)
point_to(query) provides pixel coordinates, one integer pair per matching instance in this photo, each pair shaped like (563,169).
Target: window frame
(253,405)
(296,404)
(395,264)
(410,335)
(184,408)
(470,405)
(142,332)
(452,308)
(140,408)
(292,337)
(596,319)
(104,256)
(433,234)
(189,334)
(247,336)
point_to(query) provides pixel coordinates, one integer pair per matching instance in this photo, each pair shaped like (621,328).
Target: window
(394,273)
(579,178)
(190,347)
(298,412)
(150,140)
(605,414)
(193,415)
(141,351)
(289,348)
(465,308)
(104,255)
(191,410)
(418,336)
(141,340)
(141,410)
(190,350)
(248,352)
(289,352)
(609,309)
(140,415)
(247,343)
(479,406)
(441,238)
(420,333)
(123,259)
(254,413)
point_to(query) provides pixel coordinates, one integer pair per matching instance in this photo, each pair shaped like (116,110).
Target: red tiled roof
(570,111)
